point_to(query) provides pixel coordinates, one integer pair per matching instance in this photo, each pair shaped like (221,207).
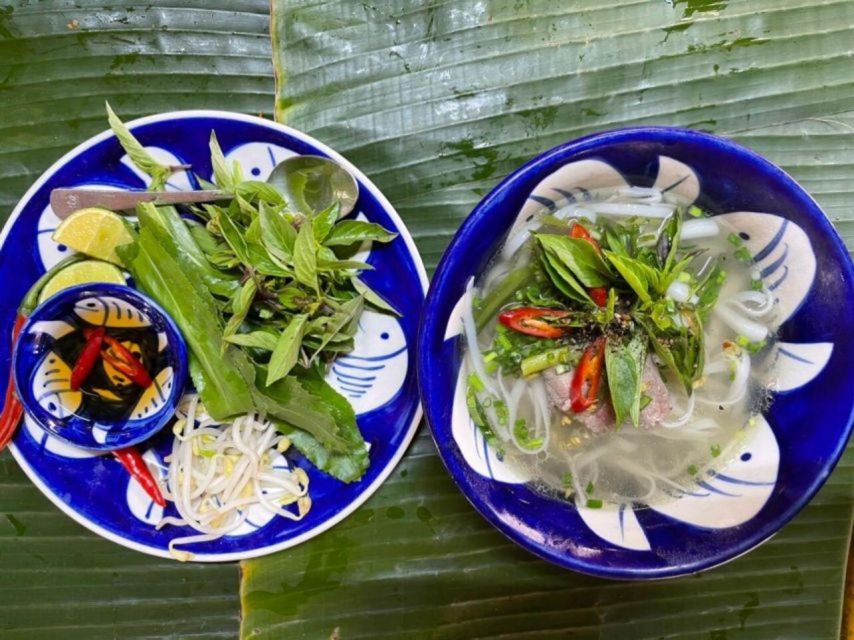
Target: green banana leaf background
(435,101)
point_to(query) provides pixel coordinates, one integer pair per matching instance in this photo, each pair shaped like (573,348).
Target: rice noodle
(699,228)
(625,209)
(216,475)
(742,326)
(753,303)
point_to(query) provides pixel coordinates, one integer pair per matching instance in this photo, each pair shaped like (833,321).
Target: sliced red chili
(87,358)
(588,375)
(579,231)
(133,461)
(531,321)
(124,361)
(599,295)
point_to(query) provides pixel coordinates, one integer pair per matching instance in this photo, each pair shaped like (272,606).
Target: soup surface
(614,347)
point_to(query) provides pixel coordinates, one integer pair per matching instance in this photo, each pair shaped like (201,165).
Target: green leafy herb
(240,305)
(136,152)
(372,297)
(305,256)
(263,340)
(578,256)
(348,232)
(624,366)
(287,350)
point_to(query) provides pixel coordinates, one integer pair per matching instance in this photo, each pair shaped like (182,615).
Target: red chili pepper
(579,231)
(529,320)
(13,410)
(587,376)
(87,358)
(124,361)
(133,461)
(598,294)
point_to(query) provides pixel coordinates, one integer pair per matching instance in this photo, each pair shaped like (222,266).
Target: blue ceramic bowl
(784,461)
(46,353)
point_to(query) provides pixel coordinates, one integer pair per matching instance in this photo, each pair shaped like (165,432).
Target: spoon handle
(66,201)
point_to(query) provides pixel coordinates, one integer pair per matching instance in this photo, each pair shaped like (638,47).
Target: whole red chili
(599,295)
(12,407)
(530,321)
(87,358)
(133,461)
(588,374)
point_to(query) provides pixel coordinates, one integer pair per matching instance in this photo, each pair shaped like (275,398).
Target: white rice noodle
(626,210)
(753,303)
(682,419)
(739,370)
(742,326)
(574,210)
(217,472)
(649,194)
(699,228)
(517,241)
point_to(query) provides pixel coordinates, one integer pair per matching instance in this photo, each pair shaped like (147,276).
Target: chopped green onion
(476,383)
(589,488)
(716,450)
(735,239)
(594,504)
(566,479)
(693,470)
(489,356)
(757,285)
(545,360)
(695,211)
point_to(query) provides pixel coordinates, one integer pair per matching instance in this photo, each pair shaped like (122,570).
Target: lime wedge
(95,232)
(81,273)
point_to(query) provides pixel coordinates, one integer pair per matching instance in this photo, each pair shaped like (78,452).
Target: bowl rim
(412,250)
(431,331)
(176,340)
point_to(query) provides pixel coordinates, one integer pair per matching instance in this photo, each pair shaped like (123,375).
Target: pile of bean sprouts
(218,471)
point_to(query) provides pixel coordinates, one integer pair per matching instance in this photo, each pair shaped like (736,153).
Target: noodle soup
(612,347)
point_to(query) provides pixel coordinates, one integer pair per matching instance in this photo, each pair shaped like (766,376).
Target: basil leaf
(634,276)
(349,232)
(223,176)
(287,350)
(240,305)
(253,231)
(372,297)
(264,340)
(260,192)
(233,236)
(136,152)
(305,256)
(277,234)
(623,382)
(349,310)
(325,220)
(577,255)
(563,280)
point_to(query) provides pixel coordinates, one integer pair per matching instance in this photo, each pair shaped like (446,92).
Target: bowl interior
(808,422)
(49,346)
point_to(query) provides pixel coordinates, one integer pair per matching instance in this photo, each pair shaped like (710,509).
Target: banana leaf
(59,62)
(436,101)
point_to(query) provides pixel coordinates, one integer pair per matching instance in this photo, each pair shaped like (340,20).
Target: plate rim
(405,235)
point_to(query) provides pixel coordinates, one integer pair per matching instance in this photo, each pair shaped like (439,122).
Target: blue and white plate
(787,456)
(378,377)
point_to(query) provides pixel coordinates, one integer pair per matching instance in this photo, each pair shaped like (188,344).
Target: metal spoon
(308,183)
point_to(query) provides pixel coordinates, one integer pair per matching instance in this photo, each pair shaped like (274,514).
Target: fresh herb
(578,256)
(139,156)
(266,296)
(624,364)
